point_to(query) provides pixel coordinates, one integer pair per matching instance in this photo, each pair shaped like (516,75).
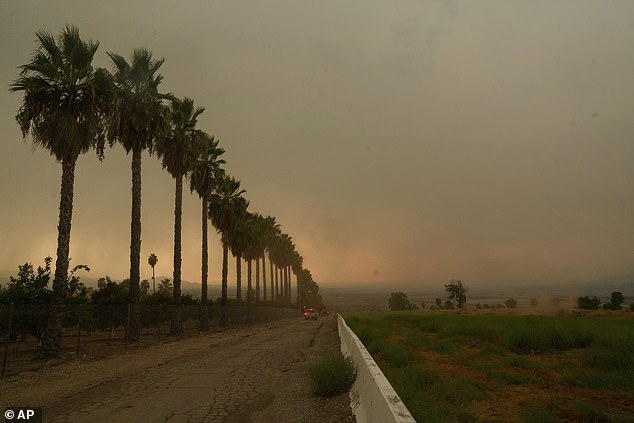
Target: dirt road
(257,374)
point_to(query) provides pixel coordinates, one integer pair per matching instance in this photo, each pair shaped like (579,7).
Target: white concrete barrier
(372,398)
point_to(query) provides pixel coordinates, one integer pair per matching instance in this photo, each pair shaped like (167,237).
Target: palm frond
(63,107)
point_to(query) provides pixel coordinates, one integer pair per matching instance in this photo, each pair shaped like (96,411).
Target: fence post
(158,331)
(6,342)
(78,330)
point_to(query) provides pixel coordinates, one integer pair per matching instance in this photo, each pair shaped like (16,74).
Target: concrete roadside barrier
(372,398)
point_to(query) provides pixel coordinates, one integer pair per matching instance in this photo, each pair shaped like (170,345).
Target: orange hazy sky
(404,141)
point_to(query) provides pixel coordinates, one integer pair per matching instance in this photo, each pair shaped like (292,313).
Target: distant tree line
(594,303)
(455,291)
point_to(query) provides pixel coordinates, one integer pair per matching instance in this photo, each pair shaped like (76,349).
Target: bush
(588,303)
(332,375)
(511,303)
(399,301)
(615,301)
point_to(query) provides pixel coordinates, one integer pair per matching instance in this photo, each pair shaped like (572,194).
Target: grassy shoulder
(491,367)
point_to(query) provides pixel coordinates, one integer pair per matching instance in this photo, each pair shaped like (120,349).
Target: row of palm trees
(70,108)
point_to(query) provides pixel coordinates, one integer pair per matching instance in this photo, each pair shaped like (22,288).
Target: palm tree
(310,288)
(272,230)
(176,151)
(238,240)
(255,247)
(275,256)
(225,204)
(296,265)
(152,261)
(64,106)
(138,118)
(205,174)
(283,254)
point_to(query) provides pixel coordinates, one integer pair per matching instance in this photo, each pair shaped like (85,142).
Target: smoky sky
(396,142)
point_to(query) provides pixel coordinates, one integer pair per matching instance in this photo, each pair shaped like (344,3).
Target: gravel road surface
(257,374)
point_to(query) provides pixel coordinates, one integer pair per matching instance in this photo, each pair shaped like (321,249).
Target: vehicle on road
(311,313)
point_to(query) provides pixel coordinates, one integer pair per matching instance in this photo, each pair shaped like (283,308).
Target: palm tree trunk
(264,274)
(225,265)
(204,317)
(249,286)
(135,247)
(238,279)
(272,277)
(257,279)
(277,281)
(282,284)
(290,285)
(286,287)
(281,277)
(52,334)
(301,293)
(176,328)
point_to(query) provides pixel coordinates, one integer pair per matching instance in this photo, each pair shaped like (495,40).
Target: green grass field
(492,367)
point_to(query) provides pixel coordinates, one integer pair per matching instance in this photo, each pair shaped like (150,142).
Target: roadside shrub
(332,375)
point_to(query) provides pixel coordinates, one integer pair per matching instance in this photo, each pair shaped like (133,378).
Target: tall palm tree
(225,204)
(64,108)
(310,289)
(276,256)
(152,261)
(138,118)
(284,252)
(176,151)
(255,247)
(272,230)
(205,174)
(238,240)
(296,265)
